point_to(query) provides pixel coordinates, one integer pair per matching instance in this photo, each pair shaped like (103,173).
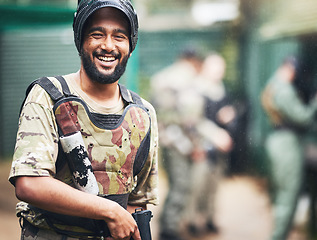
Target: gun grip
(143,218)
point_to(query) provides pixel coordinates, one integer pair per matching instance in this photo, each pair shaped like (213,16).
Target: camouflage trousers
(205,179)
(286,161)
(30,232)
(177,167)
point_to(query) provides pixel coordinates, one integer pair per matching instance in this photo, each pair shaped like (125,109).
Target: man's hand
(198,154)
(226,114)
(122,225)
(223,141)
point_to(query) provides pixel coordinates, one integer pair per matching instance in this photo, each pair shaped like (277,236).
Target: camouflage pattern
(29,232)
(111,151)
(179,107)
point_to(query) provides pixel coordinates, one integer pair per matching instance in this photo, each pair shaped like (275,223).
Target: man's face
(106,47)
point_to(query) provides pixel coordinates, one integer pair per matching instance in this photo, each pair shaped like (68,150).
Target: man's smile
(107,61)
(106,58)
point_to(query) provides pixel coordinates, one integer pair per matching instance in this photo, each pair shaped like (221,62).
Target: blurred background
(253,36)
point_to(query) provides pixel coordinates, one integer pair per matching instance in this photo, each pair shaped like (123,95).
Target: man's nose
(108,44)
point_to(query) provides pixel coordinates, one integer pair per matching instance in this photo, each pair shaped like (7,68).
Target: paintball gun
(143,218)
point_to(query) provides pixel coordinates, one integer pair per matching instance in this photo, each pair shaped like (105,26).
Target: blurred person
(185,134)
(208,170)
(218,107)
(289,117)
(90,190)
(175,145)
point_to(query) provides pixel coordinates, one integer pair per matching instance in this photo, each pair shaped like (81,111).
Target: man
(208,171)
(185,135)
(289,117)
(167,85)
(118,128)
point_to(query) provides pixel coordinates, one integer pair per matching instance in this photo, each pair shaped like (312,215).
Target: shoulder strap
(136,98)
(127,97)
(65,87)
(48,86)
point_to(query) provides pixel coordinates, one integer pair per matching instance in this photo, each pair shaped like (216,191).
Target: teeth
(106,59)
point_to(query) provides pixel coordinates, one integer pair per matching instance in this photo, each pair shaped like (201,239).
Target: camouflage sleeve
(36,143)
(146,190)
(293,109)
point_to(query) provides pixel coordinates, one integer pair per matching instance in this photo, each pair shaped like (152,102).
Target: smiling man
(89,190)
(105,51)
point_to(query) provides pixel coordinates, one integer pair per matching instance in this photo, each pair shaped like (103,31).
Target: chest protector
(116,147)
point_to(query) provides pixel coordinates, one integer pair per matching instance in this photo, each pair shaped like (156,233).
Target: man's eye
(96,35)
(121,36)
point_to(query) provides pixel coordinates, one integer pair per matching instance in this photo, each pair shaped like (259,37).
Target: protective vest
(117,148)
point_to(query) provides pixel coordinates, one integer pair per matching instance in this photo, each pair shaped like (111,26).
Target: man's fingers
(136,235)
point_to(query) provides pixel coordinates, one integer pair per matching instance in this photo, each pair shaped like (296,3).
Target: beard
(97,76)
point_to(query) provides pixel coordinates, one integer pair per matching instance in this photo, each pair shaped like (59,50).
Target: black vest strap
(124,93)
(56,95)
(136,98)
(126,96)
(48,86)
(65,87)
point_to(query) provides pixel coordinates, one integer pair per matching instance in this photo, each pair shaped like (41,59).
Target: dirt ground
(9,226)
(243,210)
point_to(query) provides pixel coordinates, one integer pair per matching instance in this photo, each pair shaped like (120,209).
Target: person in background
(290,117)
(167,86)
(115,161)
(209,170)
